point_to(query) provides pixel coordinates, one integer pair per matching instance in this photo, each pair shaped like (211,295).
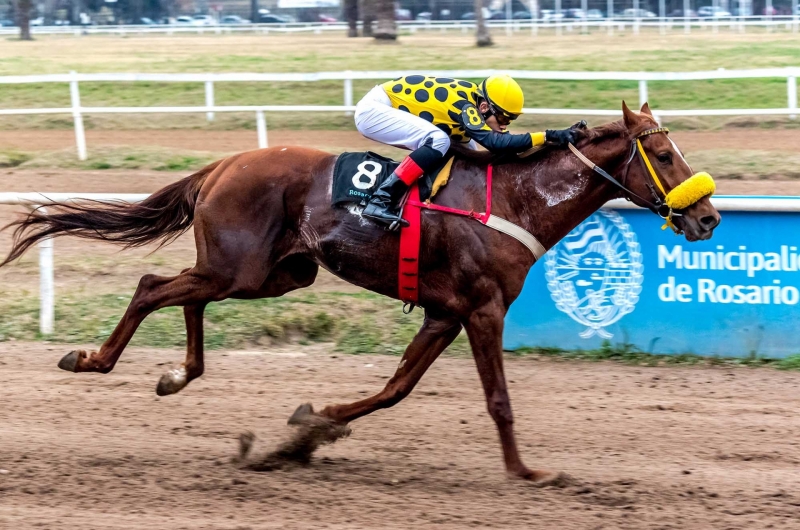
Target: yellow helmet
(503,95)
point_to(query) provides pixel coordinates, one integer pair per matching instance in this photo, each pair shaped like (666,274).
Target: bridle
(668,204)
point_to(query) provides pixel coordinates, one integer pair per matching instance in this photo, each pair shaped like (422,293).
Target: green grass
(310,53)
(630,354)
(722,163)
(357,323)
(147,158)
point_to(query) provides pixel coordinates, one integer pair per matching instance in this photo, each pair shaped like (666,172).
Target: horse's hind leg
(153,293)
(176,379)
(436,334)
(291,273)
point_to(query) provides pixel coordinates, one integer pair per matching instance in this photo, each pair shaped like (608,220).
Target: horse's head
(662,176)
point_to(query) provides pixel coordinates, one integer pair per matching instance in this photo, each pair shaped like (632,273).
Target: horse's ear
(630,117)
(646,109)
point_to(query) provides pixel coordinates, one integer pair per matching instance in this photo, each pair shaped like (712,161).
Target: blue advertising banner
(619,277)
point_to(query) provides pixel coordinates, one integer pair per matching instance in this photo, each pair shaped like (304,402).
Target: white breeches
(378,120)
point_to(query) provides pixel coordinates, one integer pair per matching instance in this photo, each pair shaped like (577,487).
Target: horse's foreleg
(435,335)
(152,294)
(485,332)
(192,368)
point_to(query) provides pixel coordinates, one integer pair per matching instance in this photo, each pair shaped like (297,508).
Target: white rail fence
(46,254)
(347,77)
(617,24)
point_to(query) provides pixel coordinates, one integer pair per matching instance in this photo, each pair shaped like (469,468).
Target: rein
(673,202)
(658,205)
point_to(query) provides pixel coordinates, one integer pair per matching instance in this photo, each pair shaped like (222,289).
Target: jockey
(426,113)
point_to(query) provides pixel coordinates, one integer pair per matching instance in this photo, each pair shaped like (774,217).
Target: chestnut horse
(263,225)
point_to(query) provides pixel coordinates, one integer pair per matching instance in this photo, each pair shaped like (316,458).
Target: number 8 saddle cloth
(357,175)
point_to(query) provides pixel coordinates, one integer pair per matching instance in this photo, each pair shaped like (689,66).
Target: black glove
(560,137)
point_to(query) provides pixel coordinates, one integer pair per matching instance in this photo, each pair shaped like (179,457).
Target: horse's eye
(665,158)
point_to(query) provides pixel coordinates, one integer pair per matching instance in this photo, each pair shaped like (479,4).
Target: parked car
(640,13)
(327,18)
(575,13)
(594,14)
(271,18)
(548,15)
(691,13)
(423,16)
(713,12)
(233,20)
(203,20)
(183,21)
(5,23)
(521,15)
(402,14)
(144,21)
(38,21)
(471,16)
(770,11)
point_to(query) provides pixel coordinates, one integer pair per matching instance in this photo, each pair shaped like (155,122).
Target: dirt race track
(645,447)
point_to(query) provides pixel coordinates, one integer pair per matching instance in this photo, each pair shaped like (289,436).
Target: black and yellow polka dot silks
(439,100)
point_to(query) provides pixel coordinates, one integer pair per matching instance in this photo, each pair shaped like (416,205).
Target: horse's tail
(163,216)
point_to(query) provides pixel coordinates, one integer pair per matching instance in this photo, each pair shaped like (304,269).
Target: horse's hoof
(70,361)
(172,382)
(301,415)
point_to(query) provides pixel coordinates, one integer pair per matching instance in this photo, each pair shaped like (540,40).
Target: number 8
(371,176)
(472,114)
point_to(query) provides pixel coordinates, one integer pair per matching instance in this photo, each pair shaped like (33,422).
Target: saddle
(357,175)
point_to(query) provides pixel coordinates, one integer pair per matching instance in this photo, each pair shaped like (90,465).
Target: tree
(24,19)
(367,16)
(351,15)
(387,27)
(482,37)
(254,18)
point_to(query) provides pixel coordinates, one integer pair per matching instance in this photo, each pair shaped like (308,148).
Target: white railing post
(534,18)
(662,16)
(642,92)
(687,26)
(348,93)
(636,18)
(584,19)
(261,129)
(796,16)
(610,16)
(77,117)
(209,99)
(556,19)
(791,90)
(46,286)
(509,19)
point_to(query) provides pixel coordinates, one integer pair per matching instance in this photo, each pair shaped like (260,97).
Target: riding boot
(382,207)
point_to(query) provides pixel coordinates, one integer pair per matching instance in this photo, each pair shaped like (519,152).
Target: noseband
(668,204)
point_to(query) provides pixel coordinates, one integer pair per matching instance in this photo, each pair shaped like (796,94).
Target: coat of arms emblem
(595,273)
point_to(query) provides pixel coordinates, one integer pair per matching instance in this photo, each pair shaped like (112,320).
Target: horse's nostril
(709,222)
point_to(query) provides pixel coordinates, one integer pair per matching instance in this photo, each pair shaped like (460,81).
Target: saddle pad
(357,175)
